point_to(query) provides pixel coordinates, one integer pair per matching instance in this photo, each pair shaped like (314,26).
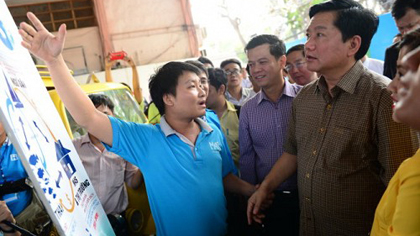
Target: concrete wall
(149,31)
(87,39)
(82,51)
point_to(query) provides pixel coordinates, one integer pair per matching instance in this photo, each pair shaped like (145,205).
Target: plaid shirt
(262,132)
(347,148)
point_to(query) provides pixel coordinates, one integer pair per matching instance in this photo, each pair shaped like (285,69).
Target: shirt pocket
(115,178)
(349,146)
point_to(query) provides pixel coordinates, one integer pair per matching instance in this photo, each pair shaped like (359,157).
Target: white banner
(42,142)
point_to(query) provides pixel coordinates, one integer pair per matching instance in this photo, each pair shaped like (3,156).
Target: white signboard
(46,151)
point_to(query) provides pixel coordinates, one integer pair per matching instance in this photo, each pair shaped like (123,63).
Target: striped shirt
(108,172)
(347,147)
(262,132)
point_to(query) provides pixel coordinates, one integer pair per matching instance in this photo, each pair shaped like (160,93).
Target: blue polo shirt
(211,118)
(184,181)
(11,169)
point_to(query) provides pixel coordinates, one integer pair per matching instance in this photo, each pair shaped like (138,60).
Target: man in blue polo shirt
(183,160)
(18,204)
(11,170)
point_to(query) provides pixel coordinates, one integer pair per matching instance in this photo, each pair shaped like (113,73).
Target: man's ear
(168,99)
(221,90)
(282,61)
(354,45)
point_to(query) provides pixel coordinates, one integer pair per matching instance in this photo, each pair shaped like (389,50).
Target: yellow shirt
(230,126)
(153,114)
(398,212)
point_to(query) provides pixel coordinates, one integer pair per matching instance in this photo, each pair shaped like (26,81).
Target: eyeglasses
(232,72)
(296,65)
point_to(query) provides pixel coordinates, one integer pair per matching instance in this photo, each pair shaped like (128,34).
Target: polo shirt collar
(6,142)
(168,130)
(288,90)
(230,106)
(348,82)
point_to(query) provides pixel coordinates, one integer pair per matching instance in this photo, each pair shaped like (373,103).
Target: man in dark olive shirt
(341,137)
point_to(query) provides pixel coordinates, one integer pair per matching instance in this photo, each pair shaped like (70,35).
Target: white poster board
(46,151)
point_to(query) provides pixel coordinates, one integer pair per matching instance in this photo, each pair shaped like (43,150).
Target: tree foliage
(287,19)
(297,14)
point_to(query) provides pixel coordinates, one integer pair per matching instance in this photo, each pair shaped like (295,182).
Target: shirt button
(322,130)
(329,106)
(314,152)
(307,175)
(307,199)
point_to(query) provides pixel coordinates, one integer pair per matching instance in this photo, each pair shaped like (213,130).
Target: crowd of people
(309,141)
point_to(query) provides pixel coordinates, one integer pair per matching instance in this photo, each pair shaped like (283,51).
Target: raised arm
(138,94)
(108,65)
(44,45)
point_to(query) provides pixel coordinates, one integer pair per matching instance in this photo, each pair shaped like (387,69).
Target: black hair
(400,7)
(101,99)
(248,70)
(351,19)
(277,47)
(296,48)
(205,60)
(411,40)
(199,65)
(217,77)
(229,61)
(165,80)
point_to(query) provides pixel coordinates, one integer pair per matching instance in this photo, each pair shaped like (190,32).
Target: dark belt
(15,186)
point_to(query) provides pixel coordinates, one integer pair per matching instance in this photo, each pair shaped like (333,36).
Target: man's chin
(203,113)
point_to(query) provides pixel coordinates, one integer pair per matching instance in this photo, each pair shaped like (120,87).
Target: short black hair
(217,77)
(248,70)
(199,65)
(101,99)
(400,7)
(296,48)
(205,60)
(277,47)
(351,19)
(165,80)
(229,61)
(411,40)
